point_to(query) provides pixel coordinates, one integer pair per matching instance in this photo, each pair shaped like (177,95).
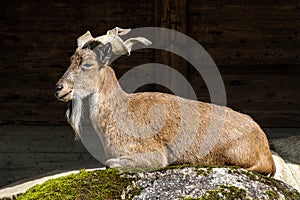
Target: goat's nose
(59,87)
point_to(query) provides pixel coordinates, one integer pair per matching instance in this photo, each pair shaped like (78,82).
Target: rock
(287,160)
(174,182)
(287,172)
(210,183)
(288,148)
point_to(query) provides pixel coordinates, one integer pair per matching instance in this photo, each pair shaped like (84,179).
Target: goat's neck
(109,96)
(109,87)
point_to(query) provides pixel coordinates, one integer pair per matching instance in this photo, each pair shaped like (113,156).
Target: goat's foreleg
(142,160)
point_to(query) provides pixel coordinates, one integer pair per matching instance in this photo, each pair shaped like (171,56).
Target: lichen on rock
(211,183)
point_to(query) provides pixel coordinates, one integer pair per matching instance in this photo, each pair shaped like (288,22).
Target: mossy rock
(102,184)
(173,182)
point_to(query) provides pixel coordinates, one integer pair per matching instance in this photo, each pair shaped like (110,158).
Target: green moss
(178,167)
(102,184)
(273,183)
(190,198)
(202,172)
(272,194)
(209,167)
(225,192)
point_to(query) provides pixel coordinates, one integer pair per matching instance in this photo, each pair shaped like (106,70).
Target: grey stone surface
(210,183)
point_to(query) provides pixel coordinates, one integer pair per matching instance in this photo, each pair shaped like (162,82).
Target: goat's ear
(104,53)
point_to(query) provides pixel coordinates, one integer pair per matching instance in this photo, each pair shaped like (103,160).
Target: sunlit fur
(156,129)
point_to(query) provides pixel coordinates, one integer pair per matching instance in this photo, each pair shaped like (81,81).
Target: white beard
(73,115)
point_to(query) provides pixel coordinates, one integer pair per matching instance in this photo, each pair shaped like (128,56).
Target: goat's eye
(87,65)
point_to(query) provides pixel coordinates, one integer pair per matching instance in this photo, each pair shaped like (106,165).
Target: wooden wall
(255,44)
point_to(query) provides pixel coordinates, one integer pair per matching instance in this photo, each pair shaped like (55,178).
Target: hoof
(118,162)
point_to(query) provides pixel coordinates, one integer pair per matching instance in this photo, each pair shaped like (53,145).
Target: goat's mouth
(65,97)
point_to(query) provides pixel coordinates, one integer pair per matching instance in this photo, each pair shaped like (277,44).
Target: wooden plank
(45,161)
(78,12)
(206,4)
(249,57)
(279,88)
(39,139)
(33,114)
(29,151)
(172,15)
(272,119)
(228,11)
(18,166)
(247,37)
(31,62)
(260,69)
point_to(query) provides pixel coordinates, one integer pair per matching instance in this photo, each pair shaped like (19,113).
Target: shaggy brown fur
(156,129)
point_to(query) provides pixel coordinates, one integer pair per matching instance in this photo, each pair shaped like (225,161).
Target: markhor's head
(84,71)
